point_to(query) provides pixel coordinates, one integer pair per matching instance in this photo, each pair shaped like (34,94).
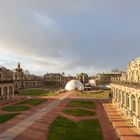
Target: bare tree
(115,70)
(27,72)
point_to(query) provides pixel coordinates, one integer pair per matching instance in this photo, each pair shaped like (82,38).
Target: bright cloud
(71,36)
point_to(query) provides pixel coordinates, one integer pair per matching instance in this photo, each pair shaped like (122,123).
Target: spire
(19,65)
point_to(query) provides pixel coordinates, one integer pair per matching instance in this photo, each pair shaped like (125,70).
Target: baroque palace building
(34,81)
(105,78)
(126,93)
(19,78)
(6,83)
(22,80)
(56,79)
(13,81)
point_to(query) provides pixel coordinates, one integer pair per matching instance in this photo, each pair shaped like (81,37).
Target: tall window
(122,98)
(133,104)
(127,100)
(119,95)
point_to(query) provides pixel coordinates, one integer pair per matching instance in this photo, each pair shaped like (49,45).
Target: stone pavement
(107,128)
(123,128)
(35,126)
(39,130)
(16,130)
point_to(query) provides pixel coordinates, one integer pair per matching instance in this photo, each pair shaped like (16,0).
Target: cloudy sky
(69,35)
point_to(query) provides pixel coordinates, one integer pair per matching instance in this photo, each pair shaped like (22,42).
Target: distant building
(105,78)
(6,83)
(54,79)
(83,77)
(134,71)
(126,93)
(34,81)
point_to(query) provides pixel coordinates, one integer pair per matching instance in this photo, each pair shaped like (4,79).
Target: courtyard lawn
(15,108)
(65,129)
(79,112)
(102,95)
(50,94)
(37,92)
(6,117)
(32,102)
(32,92)
(85,104)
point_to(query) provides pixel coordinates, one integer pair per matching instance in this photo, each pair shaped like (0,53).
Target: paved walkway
(107,128)
(39,130)
(124,130)
(36,126)
(16,130)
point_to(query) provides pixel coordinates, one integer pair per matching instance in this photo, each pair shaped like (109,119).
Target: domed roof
(74,85)
(137,60)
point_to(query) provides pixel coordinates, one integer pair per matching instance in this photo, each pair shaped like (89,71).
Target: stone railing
(6,81)
(126,83)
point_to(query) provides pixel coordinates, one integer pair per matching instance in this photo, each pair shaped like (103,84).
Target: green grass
(6,117)
(32,92)
(85,104)
(50,94)
(79,112)
(37,92)
(65,129)
(102,95)
(15,108)
(32,102)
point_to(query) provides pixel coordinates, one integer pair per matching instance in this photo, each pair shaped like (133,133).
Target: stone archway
(10,91)
(133,103)
(123,98)
(127,100)
(116,95)
(5,92)
(120,98)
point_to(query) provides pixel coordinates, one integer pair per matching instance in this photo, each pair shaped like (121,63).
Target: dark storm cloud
(70,35)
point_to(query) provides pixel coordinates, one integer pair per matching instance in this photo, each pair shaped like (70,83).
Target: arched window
(116,94)
(120,95)
(5,90)
(123,98)
(10,89)
(127,99)
(133,103)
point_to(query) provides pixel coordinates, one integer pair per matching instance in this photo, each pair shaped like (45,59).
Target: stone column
(137,105)
(13,92)
(130,102)
(125,99)
(8,93)
(130,106)
(114,93)
(1,91)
